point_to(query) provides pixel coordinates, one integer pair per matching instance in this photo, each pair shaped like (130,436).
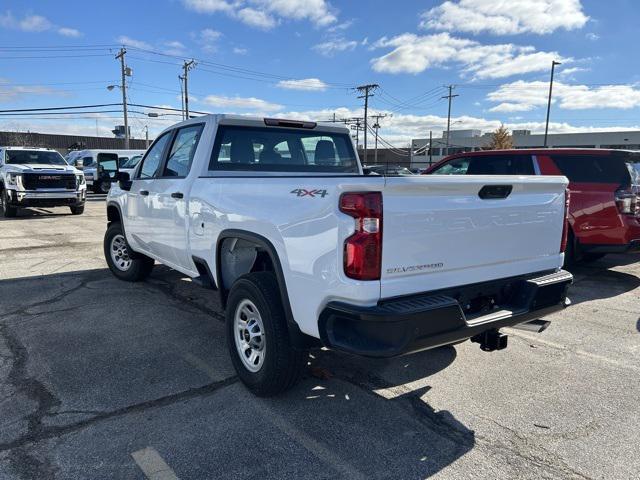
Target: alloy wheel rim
(120,253)
(249,336)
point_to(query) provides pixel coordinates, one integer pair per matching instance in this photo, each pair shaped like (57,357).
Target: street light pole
(546,127)
(123,87)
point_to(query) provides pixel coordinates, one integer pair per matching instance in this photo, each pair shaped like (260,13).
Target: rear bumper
(46,199)
(419,322)
(632,246)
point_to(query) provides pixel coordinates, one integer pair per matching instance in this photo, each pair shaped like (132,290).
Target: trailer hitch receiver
(491,340)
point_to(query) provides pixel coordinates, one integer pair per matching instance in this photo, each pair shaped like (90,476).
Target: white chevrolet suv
(306,251)
(38,177)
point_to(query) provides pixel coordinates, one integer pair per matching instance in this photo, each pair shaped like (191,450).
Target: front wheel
(258,338)
(103,187)
(6,210)
(123,262)
(78,210)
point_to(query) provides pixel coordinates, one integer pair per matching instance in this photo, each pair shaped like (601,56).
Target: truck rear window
(282,150)
(593,169)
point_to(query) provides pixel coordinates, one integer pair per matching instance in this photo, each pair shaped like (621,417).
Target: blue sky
(302,57)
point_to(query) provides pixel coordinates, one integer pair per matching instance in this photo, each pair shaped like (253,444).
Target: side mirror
(124,181)
(366,171)
(108,166)
(79,164)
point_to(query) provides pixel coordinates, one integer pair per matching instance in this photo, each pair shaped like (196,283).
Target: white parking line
(152,465)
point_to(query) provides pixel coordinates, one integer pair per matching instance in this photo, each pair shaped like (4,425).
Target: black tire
(103,187)
(570,253)
(592,257)
(6,210)
(78,210)
(139,266)
(282,364)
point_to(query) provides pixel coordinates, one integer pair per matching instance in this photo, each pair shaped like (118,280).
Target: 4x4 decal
(302,192)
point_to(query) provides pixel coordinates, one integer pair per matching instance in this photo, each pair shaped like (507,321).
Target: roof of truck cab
(532,151)
(42,149)
(253,121)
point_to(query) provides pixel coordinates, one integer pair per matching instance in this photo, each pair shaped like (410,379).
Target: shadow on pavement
(607,284)
(101,367)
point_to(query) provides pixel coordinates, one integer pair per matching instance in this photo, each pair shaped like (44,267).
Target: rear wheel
(570,252)
(258,338)
(592,257)
(77,210)
(123,262)
(6,210)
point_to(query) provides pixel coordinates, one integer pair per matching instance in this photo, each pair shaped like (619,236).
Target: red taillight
(565,227)
(628,202)
(363,249)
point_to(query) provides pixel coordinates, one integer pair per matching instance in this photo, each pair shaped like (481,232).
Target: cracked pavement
(93,369)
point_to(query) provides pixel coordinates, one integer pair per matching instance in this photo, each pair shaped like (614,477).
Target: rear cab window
(594,168)
(488,165)
(271,149)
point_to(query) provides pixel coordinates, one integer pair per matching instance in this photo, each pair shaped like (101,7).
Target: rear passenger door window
(153,159)
(501,165)
(182,152)
(458,166)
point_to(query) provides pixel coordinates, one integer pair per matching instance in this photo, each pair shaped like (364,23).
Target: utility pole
(546,127)
(186,67)
(430,147)
(365,90)
(181,80)
(125,71)
(376,126)
(450,97)
(146,135)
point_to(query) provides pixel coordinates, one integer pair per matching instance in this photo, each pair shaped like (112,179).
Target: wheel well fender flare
(297,337)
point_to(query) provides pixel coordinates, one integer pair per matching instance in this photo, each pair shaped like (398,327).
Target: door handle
(177,195)
(144,193)
(494,192)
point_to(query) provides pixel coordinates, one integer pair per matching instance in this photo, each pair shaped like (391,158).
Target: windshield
(282,149)
(132,162)
(33,157)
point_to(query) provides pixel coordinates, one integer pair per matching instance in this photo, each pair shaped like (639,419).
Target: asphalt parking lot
(104,379)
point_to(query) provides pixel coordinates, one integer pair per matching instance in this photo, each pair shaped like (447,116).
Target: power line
(60,108)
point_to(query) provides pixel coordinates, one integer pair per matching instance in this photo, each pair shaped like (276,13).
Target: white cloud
(307,84)
(413,54)
(241,102)
(208,6)
(69,32)
(11,93)
(505,17)
(240,51)
(34,24)
(132,42)
(333,46)
(522,96)
(592,36)
(208,39)
(266,14)
(256,18)
(174,47)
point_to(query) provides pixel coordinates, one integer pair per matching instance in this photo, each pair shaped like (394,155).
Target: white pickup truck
(38,177)
(307,251)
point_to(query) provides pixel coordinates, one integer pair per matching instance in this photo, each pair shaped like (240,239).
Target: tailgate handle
(489,192)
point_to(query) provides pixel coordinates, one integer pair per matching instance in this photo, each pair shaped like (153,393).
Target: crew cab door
(165,203)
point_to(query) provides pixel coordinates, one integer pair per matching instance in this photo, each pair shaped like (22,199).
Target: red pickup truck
(604,211)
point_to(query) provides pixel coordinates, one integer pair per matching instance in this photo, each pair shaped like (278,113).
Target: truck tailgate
(438,232)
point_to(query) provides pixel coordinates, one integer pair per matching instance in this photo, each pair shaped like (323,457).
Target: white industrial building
(472,140)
